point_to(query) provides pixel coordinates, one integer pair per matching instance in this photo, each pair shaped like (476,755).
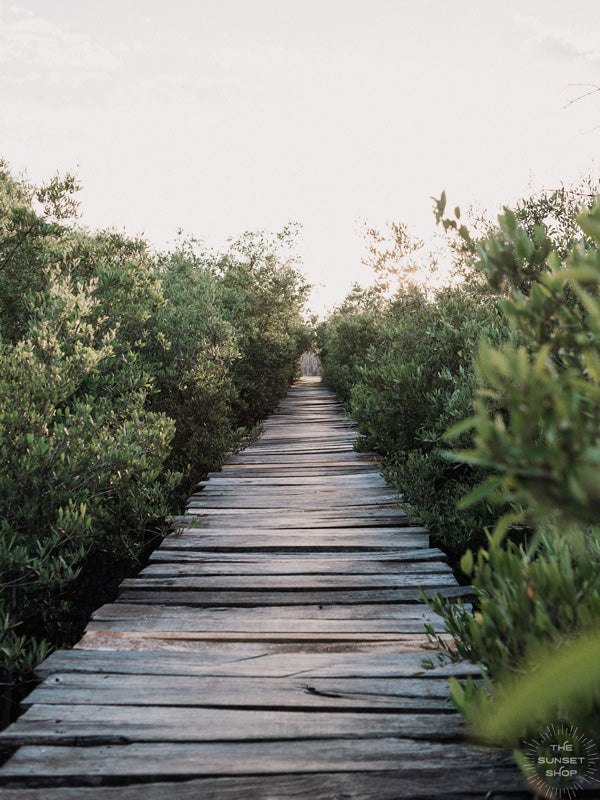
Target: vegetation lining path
(268,650)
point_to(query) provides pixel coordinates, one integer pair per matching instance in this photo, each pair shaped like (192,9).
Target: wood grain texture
(475,784)
(325,694)
(161,760)
(252,660)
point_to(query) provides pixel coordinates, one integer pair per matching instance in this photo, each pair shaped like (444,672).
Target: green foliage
(559,682)
(536,426)
(25,235)
(81,457)
(524,598)
(527,455)
(345,338)
(262,296)
(537,417)
(124,378)
(404,366)
(192,349)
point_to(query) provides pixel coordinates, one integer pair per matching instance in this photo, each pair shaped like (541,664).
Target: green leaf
(563,676)
(466,563)
(590,224)
(459,428)
(482,491)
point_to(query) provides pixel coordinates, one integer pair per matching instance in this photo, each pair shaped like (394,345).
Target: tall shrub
(536,426)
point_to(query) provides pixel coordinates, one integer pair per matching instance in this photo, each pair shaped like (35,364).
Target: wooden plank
(200,641)
(299,504)
(253,541)
(168,761)
(352,516)
(290,583)
(392,611)
(215,520)
(475,783)
(294,470)
(349,458)
(325,501)
(312,564)
(296,503)
(357,481)
(276,626)
(255,597)
(122,724)
(360,557)
(285,615)
(193,526)
(246,492)
(252,660)
(322,694)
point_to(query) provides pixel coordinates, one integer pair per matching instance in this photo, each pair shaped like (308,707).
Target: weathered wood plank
(192,641)
(309,483)
(262,619)
(122,724)
(249,597)
(362,558)
(294,470)
(391,536)
(475,784)
(322,694)
(302,565)
(252,541)
(290,583)
(350,516)
(394,534)
(349,494)
(253,660)
(162,761)
(373,613)
(348,458)
(325,501)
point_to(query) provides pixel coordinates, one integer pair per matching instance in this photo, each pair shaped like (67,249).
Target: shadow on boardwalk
(269,650)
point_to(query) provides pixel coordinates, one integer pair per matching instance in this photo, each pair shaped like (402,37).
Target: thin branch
(585,94)
(571,191)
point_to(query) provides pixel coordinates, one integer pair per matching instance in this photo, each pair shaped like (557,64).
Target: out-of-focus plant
(536,427)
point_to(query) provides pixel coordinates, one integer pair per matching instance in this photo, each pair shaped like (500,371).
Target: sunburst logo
(560,761)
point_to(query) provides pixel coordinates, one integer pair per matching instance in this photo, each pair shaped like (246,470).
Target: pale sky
(219,116)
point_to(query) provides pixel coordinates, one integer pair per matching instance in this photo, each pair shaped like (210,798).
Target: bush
(536,426)
(78,470)
(124,378)
(405,367)
(262,296)
(191,357)
(345,338)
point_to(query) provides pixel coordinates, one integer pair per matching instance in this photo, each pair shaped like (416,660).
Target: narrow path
(269,650)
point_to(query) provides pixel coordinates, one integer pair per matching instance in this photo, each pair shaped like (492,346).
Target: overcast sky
(218,116)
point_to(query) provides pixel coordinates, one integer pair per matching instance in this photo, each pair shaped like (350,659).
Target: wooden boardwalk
(271,649)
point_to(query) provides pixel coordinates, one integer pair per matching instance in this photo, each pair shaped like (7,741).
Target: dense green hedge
(505,369)
(124,378)
(404,366)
